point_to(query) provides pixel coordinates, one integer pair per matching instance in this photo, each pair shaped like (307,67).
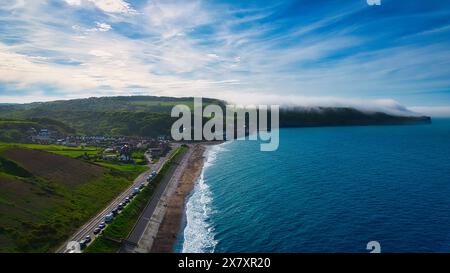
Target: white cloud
(114,6)
(103,27)
(433,111)
(73,2)
(13,4)
(174,18)
(109,6)
(100,53)
(289,101)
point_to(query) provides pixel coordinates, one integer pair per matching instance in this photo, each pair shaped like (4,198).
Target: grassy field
(123,224)
(41,206)
(56,149)
(122,167)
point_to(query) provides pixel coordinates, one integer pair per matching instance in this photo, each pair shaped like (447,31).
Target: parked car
(109,217)
(83,244)
(136,191)
(88,239)
(97,231)
(102,225)
(120,206)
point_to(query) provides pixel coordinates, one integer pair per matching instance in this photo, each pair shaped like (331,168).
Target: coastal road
(172,178)
(88,228)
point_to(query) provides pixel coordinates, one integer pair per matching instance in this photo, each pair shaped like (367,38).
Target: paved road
(88,228)
(173,176)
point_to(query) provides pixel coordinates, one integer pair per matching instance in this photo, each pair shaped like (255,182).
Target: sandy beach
(170,225)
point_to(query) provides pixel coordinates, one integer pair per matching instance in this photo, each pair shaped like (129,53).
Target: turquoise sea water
(325,190)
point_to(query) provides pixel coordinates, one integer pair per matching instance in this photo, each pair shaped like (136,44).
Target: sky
(256,51)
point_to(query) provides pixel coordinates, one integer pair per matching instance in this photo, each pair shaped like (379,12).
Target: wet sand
(171,223)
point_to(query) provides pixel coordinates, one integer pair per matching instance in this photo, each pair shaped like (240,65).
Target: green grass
(139,157)
(133,168)
(38,215)
(103,245)
(123,224)
(73,152)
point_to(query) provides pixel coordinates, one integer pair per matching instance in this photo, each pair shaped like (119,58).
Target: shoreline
(169,228)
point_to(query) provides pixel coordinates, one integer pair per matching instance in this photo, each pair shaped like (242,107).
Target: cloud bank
(380,105)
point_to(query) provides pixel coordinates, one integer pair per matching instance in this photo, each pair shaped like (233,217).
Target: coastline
(170,226)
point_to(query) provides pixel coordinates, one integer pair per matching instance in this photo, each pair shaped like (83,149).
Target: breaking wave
(199,233)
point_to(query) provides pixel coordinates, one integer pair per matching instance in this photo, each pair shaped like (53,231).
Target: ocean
(328,189)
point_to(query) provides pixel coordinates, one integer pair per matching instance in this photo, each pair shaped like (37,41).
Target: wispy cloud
(229,50)
(110,6)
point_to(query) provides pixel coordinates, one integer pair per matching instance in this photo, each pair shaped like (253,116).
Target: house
(44,136)
(124,158)
(162,137)
(109,150)
(140,145)
(125,153)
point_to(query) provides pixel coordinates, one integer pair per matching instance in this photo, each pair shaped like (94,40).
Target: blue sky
(287,52)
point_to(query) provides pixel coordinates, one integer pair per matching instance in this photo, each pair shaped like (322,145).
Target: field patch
(55,167)
(12,168)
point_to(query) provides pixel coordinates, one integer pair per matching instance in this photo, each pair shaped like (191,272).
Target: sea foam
(198,233)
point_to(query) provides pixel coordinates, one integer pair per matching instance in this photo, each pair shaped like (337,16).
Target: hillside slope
(45,197)
(130,116)
(16,130)
(333,116)
(60,169)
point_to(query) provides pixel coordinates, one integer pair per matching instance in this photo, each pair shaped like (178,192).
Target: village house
(43,137)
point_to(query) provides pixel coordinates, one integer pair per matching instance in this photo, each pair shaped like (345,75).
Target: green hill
(150,116)
(14,130)
(130,116)
(344,116)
